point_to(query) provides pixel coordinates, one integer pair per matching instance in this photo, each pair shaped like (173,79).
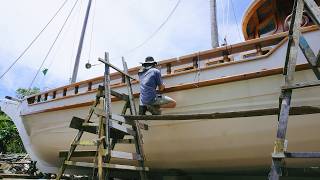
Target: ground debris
(18,166)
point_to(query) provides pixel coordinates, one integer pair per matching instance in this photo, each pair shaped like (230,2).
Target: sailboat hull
(196,145)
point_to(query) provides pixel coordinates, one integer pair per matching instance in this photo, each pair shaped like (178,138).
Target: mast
(77,61)
(214,26)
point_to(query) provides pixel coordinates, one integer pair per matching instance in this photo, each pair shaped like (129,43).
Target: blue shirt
(149,80)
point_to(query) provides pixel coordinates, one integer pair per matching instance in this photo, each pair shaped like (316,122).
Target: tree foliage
(22,92)
(10,141)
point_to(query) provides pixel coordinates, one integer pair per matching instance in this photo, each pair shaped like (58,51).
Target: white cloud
(119,26)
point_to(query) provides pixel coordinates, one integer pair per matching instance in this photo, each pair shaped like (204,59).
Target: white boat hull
(198,145)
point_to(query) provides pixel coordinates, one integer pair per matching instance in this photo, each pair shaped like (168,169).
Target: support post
(289,69)
(107,107)
(83,32)
(138,137)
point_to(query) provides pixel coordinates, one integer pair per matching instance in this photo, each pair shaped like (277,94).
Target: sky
(117,27)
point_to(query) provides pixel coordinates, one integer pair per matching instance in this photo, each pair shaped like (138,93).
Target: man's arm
(159,81)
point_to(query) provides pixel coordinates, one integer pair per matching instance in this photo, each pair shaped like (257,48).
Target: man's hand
(161,87)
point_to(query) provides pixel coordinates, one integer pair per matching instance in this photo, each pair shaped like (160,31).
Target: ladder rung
(101,112)
(118,118)
(90,124)
(125,141)
(106,165)
(77,123)
(122,128)
(78,153)
(302,154)
(114,154)
(125,155)
(302,85)
(86,143)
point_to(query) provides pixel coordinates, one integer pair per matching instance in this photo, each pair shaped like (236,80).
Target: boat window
(265,10)
(268,27)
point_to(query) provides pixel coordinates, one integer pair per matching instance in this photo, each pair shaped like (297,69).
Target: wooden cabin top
(267,17)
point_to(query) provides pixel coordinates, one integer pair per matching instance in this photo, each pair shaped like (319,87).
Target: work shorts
(161,100)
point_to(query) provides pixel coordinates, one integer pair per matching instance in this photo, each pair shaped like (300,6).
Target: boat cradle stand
(111,129)
(295,40)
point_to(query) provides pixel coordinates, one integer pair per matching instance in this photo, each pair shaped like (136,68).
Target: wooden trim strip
(177,74)
(188,86)
(213,53)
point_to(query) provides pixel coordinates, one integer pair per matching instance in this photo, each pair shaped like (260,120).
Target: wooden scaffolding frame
(296,40)
(110,129)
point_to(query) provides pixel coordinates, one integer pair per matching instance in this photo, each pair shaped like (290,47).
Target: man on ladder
(150,80)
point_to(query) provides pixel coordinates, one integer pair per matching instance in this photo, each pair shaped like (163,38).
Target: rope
(58,45)
(150,37)
(156,31)
(33,41)
(55,40)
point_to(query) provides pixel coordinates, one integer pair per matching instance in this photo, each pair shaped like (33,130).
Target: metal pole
(77,61)
(214,26)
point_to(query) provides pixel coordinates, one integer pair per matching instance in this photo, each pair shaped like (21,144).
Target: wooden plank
(302,154)
(79,153)
(125,141)
(314,9)
(310,56)
(302,85)
(117,69)
(86,143)
(125,155)
(119,95)
(107,165)
(119,118)
(293,43)
(307,51)
(77,123)
(233,114)
(122,128)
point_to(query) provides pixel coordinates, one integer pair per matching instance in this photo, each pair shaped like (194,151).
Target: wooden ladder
(111,129)
(296,39)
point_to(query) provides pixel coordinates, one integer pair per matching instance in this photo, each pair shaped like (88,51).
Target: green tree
(23,92)
(10,141)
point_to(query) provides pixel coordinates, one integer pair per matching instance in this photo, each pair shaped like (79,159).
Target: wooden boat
(243,76)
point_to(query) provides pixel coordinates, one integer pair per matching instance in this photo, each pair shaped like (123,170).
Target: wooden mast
(77,60)
(214,26)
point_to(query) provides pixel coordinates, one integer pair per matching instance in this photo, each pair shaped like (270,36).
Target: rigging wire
(156,31)
(33,41)
(149,37)
(235,18)
(59,47)
(51,47)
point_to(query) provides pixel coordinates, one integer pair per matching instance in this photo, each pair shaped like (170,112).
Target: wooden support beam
(114,154)
(301,85)
(314,9)
(307,51)
(117,69)
(302,154)
(107,165)
(310,56)
(233,114)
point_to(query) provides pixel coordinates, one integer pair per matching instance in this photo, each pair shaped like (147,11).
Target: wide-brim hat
(149,60)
